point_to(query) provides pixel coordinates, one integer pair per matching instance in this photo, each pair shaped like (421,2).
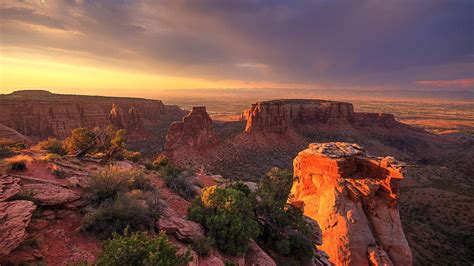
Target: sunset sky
(124,46)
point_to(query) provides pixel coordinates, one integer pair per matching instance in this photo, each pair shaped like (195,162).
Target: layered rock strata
(43,114)
(278,116)
(353,197)
(195,131)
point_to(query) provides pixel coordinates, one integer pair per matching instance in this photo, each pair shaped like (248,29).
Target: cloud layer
(346,43)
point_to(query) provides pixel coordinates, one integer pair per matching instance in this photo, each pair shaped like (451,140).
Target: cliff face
(354,199)
(194,131)
(43,114)
(278,116)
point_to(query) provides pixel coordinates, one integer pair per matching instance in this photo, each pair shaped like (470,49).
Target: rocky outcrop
(15,217)
(43,114)
(130,120)
(12,135)
(9,186)
(279,116)
(48,194)
(194,131)
(353,197)
(184,230)
(257,256)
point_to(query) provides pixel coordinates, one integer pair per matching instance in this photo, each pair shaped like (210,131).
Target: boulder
(184,230)
(15,217)
(353,197)
(257,257)
(9,186)
(49,194)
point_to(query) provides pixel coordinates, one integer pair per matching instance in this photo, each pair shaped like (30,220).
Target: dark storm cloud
(353,43)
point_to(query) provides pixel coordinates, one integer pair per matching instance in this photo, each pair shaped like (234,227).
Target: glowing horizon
(110,47)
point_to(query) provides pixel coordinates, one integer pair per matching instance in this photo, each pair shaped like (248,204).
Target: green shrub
(104,142)
(107,183)
(141,249)
(115,216)
(52,145)
(285,229)
(183,186)
(139,181)
(178,181)
(202,245)
(227,215)
(81,139)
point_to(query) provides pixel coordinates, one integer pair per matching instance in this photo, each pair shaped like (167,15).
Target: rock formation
(353,197)
(48,194)
(278,116)
(9,187)
(184,230)
(43,114)
(12,135)
(194,131)
(15,217)
(130,120)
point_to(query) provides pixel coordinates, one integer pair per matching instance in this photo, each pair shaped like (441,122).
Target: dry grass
(18,162)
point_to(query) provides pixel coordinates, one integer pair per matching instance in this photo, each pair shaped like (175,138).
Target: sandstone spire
(353,197)
(194,131)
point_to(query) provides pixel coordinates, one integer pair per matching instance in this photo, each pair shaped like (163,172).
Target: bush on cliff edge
(228,217)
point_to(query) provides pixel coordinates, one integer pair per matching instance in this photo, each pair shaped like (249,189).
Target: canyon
(357,192)
(41,114)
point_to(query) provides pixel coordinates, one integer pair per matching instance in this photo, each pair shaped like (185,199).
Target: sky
(139,47)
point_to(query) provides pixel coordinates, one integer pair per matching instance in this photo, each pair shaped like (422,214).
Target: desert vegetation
(176,179)
(228,217)
(234,215)
(117,215)
(52,146)
(9,148)
(141,249)
(18,162)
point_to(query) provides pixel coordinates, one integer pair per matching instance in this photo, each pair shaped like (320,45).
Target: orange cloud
(461,83)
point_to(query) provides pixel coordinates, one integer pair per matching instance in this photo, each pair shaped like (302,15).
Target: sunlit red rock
(279,116)
(194,131)
(44,114)
(353,197)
